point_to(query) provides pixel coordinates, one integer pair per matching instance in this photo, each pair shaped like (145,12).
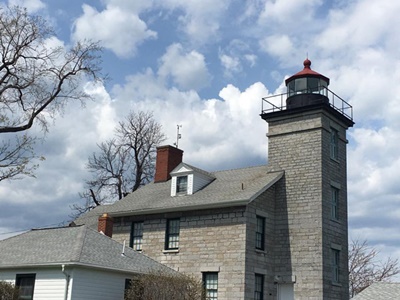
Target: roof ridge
(81,238)
(234,169)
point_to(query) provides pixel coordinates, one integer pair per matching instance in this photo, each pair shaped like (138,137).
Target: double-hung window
(172,234)
(260,233)
(136,236)
(334,203)
(335,265)
(26,285)
(259,287)
(181,184)
(210,281)
(334,143)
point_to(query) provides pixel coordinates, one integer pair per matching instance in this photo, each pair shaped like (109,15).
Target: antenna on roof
(178,135)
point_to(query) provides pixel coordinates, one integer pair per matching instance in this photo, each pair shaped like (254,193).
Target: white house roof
(78,246)
(380,291)
(230,188)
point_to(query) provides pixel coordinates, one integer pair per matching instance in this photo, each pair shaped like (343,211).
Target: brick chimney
(168,157)
(105,224)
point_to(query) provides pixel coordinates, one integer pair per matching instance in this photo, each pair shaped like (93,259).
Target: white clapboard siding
(49,283)
(92,284)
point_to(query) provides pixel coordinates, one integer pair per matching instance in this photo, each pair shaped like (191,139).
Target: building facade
(269,232)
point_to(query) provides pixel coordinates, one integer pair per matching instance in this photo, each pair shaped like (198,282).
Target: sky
(205,65)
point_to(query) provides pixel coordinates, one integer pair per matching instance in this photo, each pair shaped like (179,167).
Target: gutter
(67,277)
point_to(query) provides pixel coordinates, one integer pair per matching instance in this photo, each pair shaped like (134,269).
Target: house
(277,231)
(380,291)
(71,263)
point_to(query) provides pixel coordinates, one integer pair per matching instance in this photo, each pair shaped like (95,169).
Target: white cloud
(32,6)
(201,19)
(234,55)
(229,125)
(363,24)
(187,69)
(280,46)
(289,12)
(230,64)
(119,30)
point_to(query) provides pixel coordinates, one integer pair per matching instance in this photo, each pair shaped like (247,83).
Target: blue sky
(206,65)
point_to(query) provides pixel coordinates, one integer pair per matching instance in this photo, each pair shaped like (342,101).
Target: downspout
(67,277)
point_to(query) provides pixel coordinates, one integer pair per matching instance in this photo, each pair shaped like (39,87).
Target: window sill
(335,159)
(336,221)
(336,283)
(170,251)
(261,251)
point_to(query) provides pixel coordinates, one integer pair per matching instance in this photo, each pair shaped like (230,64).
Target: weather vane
(178,135)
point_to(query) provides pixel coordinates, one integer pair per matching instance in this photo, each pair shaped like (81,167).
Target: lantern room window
(307,85)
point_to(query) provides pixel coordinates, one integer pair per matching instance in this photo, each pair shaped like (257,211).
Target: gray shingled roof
(78,245)
(231,187)
(380,291)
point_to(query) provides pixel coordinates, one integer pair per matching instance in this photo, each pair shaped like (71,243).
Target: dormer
(187,180)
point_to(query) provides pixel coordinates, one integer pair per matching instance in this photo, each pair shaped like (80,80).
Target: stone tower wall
(300,145)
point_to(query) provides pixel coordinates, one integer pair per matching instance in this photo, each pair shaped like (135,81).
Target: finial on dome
(307,63)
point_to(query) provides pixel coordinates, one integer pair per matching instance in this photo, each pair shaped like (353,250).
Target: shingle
(380,291)
(231,187)
(78,245)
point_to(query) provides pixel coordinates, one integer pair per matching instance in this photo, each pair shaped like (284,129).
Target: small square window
(172,234)
(26,285)
(334,143)
(260,233)
(210,281)
(136,236)
(334,203)
(181,184)
(259,287)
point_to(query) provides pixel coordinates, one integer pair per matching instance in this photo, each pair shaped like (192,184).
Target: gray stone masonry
(209,241)
(304,230)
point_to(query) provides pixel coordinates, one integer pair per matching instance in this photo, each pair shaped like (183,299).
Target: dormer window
(187,180)
(181,184)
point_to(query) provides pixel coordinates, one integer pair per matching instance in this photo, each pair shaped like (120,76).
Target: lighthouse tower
(307,139)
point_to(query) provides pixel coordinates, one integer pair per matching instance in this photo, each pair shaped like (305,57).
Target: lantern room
(306,87)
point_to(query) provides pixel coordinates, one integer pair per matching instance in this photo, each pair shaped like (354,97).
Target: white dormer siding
(196,179)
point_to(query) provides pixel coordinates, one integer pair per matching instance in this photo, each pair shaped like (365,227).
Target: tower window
(210,281)
(136,236)
(181,184)
(334,143)
(335,265)
(259,287)
(172,234)
(334,203)
(260,233)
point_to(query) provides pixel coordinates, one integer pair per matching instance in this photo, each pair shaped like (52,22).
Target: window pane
(211,285)
(260,233)
(334,203)
(136,236)
(26,284)
(334,143)
(259,287)
(301,85)
(172,234)
(335,265)
(181,184)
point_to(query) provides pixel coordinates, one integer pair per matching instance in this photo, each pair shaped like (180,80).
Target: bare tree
(8,291)
(124,163)
(36,81)
(160,286)
(365,268)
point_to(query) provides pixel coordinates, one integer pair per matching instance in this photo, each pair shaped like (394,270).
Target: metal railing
(278,102)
